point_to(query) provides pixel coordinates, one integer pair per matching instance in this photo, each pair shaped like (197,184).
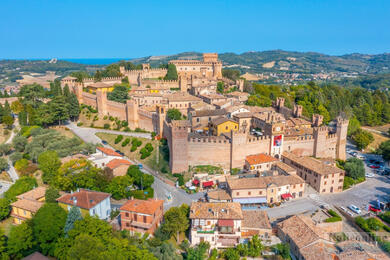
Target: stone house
(259,162)
(222,125)
(256,222)
(118,167)
(27,205)
(103,156)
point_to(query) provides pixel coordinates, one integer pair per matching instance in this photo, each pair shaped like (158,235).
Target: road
(89,134)
(161,189)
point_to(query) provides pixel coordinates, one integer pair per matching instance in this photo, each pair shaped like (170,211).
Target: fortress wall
(145,120)
(300,146)
(116,109)
(252,146)
(89,99)
(160,83)
(206,151)
(286,112)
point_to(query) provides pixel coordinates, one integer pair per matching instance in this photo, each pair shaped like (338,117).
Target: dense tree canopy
(171,73)
(173,114)
(119,94)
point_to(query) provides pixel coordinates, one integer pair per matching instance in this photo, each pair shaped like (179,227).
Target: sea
(103,61)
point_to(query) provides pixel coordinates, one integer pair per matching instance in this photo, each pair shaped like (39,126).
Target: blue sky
(129,29)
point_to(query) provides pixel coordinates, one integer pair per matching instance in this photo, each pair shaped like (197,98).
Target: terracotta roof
(30,205)
(237,93)
(259,159)
(352,249)
(313,164)
(298,121)
(285,167)
(215,210)
(320,250)
(108,151)
(182,96)
(215,112)
(255,219)
(219,195)
(117,162)
(263,182)
(221,120)
(85,199)
(149,206)
(34,194)
(35,256)
(69,78)
(302,230)
(243,115)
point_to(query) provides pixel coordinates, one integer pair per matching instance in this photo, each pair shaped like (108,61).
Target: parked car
(104,142)
(140,166)
(369,175)
(374,166)
(354,154)
(359,156)
(374,209)
(354,209)
(344,209)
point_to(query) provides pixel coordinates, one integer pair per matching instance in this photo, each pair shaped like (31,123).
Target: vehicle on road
(369,175)
(374,209)
(104,142)
(374,166)
(354,154)
(359,156)
(140,166)
(354,209)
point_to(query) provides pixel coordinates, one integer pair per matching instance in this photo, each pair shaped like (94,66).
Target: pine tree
(74,106)
(73,215)
(66,91)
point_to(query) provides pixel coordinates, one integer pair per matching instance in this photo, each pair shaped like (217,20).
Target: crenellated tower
(178,146)
(320,147)
(341,134)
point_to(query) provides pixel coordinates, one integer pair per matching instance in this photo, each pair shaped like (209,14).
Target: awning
(207,184)
(251,200)
(225,222)
(195,182)
(286,196)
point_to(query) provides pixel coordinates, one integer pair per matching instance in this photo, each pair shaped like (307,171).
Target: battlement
(102,80)
(193,62)
(258,138)
(159,81)
(321,129)
(141,70)
(331,136)
(208,139)
(145,113)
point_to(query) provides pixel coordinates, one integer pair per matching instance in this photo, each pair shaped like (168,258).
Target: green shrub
(333,219)
(149,147)
(385,217)
(79,124)
(133,148)
(374,224)
(105,117)
(106,126)
(180,178)
(111,118)
(118,139)
(144,153)
(124,123)
(125,142)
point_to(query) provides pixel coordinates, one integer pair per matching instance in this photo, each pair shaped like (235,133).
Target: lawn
(378,137)
(159,164)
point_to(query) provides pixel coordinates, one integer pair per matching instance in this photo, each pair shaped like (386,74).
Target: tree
(283,249)
(5,149)
(255,247)
(73,215)
(174,114)
(20,240)
(48,226)
(384,150)
(198,252)
(3,164)
(171,73)
(220,87)
(119,94)
(20,186)
(3,245)
(17,107)
(74,106)
(354,168)
(176,221)
(92,226)
(166,251)
(231,254)
(87,247)
(4,208)
(51,195)
(353,126)
(49,163)
(19,143)
(362,139)
(8,120)
(119,187)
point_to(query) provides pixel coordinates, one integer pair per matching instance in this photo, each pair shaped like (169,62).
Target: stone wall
(89,99)
(116,109)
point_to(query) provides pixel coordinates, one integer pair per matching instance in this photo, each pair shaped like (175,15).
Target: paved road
(88,134)
(11,170)
(4,186)
(161,189)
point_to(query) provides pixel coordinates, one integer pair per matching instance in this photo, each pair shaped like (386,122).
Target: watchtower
(178,146)
(297,111)
(132,114)
(320,147)
(101,98)
(341,134)
(317,120)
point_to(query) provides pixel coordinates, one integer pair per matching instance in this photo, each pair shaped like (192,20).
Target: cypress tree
(73,215)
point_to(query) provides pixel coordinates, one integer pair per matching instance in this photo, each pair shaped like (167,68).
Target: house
(323,177)
(244,120)
(218,196)
(141,216)
(103,156)
(259,162)
(254,191)
(93,203)
(222,125)
(118,167)
(35,256)
(255,222)
(27,205)
(218,223)
(201,118)
(240,96)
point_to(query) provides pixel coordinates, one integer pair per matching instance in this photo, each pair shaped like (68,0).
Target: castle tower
(145,66)
(132,114)
(161,115)
(237,144)
(279,102)
(317,120)
(78,91)
(101,98)
(341,133)
(297,110)
(183,84)
(122,70)
(320,147)
(217,70)
(178,146)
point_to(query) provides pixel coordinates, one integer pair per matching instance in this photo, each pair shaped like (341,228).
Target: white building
(103,156)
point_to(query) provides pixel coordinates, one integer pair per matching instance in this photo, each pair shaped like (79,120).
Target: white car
(369,175)
(354,209)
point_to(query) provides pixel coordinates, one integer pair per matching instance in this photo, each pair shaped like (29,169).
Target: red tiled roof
(108,151)
(85,199)
(259,158)
(149,206)
(226,222)
(207,184)
(117,162)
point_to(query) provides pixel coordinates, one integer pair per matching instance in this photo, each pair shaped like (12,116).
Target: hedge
(118,139)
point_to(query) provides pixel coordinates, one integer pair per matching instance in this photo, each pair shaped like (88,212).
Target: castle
(269,130)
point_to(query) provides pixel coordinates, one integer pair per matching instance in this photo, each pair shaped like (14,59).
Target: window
(127,214)
(197,120)
(144,219)
(332,181)
(323,190)
(208,222)
(127,224)
(260,192)
(135,217)
(227,127)
(301,184)
(279,189)
(24,212)
(341,180)
(249,193)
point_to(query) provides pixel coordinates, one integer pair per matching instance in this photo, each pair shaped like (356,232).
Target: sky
(131,29)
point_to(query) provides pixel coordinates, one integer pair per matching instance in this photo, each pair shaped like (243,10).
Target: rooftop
(114,163)
(108,151)
(255,219)
(211,112)
(243,115)
(221,120)
(216,210)
(85,199)
(313,164)
(181,97)
(29,205)
(262,182)
(34,194)
(259,159)
(219,195)
(148,207)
